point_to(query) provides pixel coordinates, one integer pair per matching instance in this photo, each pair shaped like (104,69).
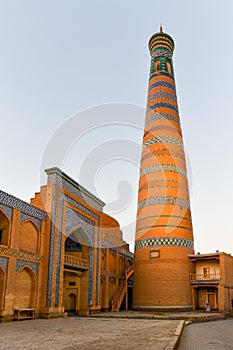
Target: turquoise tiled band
(164,241)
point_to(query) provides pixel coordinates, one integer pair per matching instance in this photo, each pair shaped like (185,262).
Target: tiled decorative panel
(7,210)
(162,116)
(24,207)
(20,264)
(56,176)
(36,221)
(162,139)
(164,201)
(164,241)
(3,263)
(163,167)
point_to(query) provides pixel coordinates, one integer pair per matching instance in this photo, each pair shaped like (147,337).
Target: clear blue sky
(58,58)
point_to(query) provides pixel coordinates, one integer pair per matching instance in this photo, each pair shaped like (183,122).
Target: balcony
(76,263)
(214,277)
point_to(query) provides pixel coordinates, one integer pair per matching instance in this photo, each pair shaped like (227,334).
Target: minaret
(164,236)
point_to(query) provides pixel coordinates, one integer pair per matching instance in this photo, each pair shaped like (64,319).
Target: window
(157,65)
(0,236)
(169,67)
(155,253)
(206,272)
(72,283)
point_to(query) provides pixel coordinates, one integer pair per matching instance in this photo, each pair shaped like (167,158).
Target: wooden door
(211,299)
(71,302)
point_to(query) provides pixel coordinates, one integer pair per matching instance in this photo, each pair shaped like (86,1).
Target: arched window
(169,67)
(157,65)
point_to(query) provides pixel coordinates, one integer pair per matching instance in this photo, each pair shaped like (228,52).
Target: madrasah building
(62,254)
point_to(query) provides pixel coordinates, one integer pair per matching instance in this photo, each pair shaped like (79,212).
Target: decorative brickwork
(22,254)
(163,200)
(164,105)
(165,183)
(161,53)
(163,167)
(162,83)
(162,94)
(162,139)
(162,116)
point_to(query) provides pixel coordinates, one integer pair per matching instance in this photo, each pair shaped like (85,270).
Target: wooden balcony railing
(74,261)
(203,277)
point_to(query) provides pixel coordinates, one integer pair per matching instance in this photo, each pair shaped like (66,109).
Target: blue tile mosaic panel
(24,207)
(4,263)
(7,210)
(24,217)
(20,264)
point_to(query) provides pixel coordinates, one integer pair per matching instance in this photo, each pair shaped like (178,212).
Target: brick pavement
(77,333)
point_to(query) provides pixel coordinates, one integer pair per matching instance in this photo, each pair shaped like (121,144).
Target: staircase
(121,290)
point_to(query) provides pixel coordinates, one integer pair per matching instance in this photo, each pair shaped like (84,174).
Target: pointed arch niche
(2,287)
(25,288)
(28,236)
(4,228)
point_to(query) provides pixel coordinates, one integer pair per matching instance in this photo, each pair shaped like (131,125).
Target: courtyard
(75,333)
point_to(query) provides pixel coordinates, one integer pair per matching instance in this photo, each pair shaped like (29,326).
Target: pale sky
(59,58)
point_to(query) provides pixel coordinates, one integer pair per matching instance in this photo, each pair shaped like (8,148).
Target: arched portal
(76,265)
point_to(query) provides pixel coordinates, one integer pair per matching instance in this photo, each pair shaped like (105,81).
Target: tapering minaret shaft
(164,235)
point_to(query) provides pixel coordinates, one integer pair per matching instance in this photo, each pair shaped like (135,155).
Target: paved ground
(208,335)
(82,333)
(196,316)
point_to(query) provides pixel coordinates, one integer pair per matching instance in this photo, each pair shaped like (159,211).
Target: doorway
(71,303)
(212,300)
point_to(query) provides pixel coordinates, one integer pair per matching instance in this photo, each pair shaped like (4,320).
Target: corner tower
(164,236)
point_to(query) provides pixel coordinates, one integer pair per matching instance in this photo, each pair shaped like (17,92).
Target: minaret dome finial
(161,28)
